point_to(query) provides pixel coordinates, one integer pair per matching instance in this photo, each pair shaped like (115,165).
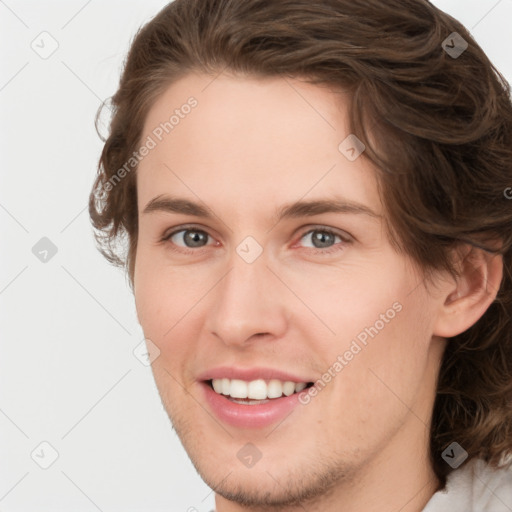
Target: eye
(324,238)
(190,240)
(187,238)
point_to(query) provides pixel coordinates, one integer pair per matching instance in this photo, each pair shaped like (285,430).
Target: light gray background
(68,375)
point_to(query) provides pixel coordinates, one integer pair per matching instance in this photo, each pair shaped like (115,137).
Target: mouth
(252,404)
(255,392)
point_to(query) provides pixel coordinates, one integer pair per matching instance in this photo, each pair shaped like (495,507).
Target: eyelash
(183,250)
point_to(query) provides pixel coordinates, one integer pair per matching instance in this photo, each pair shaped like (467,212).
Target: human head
(437,131)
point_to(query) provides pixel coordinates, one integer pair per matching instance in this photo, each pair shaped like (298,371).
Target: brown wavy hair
(437,128)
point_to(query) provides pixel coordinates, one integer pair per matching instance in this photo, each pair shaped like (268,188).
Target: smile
(252,404)
(256,391)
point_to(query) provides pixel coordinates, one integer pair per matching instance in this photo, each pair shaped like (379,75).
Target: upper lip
(249,374)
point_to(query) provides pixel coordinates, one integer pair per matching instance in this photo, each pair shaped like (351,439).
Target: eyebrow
(169,204)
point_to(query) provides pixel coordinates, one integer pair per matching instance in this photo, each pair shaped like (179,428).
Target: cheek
(388,373)
(352,298)
(168,311)
(162,293)
(155,302)
(375,333)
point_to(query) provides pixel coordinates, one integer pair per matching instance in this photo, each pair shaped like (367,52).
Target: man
(319,248)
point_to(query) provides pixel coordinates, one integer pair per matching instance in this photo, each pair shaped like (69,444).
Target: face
(253,294)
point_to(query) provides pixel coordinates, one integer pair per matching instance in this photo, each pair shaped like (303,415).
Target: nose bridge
(247,301)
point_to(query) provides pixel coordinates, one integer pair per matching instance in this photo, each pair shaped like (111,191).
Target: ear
(466,300)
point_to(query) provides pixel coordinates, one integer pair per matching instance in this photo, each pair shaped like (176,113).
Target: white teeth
(300,386)
(256,389)
(289,388)
(217,386)
(226,384)
(274,389)
(238,389)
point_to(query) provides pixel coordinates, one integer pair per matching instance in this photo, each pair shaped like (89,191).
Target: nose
(248,303)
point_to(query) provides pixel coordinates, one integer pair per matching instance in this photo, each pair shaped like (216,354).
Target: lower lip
(249,416)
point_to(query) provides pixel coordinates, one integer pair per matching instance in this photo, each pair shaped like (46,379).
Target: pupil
(193,237)
(320,237)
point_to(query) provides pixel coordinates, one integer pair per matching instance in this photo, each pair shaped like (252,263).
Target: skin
(249,147)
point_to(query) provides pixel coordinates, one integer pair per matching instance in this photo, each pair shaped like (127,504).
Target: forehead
(250,139)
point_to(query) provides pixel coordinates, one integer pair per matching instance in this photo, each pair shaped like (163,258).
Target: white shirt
(475,487)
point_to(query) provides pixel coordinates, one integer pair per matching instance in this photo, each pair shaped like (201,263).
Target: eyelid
(182,227)
(335,231)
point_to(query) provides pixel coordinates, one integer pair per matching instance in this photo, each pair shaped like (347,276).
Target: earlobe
(467,300)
